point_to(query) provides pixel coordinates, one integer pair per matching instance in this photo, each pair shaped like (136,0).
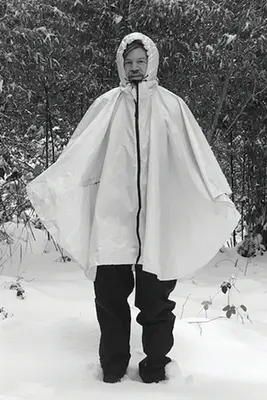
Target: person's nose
(134,66)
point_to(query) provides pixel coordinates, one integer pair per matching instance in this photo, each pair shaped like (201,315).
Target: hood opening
(152,53)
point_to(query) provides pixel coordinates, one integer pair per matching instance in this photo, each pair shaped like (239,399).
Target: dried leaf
(224,288)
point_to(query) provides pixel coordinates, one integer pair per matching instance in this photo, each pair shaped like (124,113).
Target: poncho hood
(152,52)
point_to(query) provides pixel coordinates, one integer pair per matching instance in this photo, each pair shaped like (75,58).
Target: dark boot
(111,378)
(157,320)
(153,371)
(113,285)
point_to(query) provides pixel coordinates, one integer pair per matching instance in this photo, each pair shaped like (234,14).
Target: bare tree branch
(243,108)
(183,306)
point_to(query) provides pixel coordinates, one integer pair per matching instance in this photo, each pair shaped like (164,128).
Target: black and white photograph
(133,199)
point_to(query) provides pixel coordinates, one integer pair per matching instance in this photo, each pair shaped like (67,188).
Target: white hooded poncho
(88,199)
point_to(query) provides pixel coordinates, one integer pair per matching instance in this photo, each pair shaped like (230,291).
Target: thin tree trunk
(49,124)
(48,132)
(211,134)
(46,145)
(243,190)
(82,106)
(82,95)
(49,119)
(250,187)
(232,178)
(253,184)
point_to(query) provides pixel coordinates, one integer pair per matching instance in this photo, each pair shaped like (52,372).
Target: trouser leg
(157,320)
(113,285)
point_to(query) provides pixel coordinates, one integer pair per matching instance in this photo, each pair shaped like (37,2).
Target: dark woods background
(57,56)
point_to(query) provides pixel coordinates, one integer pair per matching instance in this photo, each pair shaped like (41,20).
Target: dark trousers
(113,285)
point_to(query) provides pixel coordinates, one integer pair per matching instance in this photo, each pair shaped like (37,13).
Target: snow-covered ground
(49,341)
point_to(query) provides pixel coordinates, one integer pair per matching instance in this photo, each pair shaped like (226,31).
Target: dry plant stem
(225,259)
(28,243)
(204,322)
(63,257)
(55,244)
(240,316)
(228,296)
(236,288)
(208,320)
(58,248)
(20,256)
(3,254)
(183,306)
(30,227)
(230,261)
(246,267)
(11,254)
(28,224)
(200,328)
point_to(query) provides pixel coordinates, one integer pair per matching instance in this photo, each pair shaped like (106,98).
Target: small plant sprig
(20,291)
(226,288)
(3,313)
(63,259)
(230,309)
(206,305)
(233,310)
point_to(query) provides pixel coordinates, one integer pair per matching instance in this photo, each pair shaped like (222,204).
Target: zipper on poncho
(138,174)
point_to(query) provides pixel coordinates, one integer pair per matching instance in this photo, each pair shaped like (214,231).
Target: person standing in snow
(114,283)
(129,199)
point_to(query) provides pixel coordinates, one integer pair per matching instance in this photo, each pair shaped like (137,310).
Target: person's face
(135,65)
